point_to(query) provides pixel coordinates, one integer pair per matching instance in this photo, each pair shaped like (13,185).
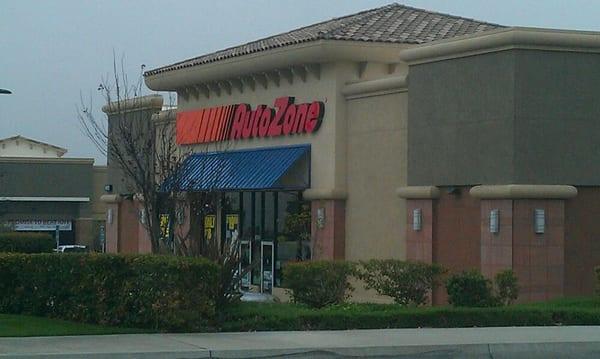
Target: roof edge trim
(418,192)
(320,51)
(503,39)
(523,191)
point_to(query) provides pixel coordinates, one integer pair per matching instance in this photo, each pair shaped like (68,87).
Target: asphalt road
(510,342)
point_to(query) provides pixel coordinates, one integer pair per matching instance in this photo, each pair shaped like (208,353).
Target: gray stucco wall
(40,210)
(515,116)
(38,179)
(557,118)
(460,120)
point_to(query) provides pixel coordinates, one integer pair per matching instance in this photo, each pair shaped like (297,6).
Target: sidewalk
(513,342)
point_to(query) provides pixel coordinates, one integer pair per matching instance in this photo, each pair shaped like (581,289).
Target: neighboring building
(40,189)
(484,159)
(19,146)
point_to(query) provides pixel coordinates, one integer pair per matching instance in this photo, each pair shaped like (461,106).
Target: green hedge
(19,242)
(318,283)
(267,317)
(408,283)
(143,291)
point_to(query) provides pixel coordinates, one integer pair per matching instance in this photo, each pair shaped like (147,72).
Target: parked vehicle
(72,248)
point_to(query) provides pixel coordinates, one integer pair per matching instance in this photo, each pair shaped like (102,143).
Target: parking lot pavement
(512,342)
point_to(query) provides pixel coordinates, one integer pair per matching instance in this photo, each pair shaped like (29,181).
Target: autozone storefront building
(468,164)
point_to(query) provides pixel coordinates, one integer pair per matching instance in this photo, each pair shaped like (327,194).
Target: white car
(72,248)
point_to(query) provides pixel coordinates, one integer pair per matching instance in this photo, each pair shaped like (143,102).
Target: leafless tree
(142,146)
(193,240)
(138,146)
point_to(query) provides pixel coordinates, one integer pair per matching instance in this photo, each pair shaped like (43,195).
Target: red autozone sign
(234,122)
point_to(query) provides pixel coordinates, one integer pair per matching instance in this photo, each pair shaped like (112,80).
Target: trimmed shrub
(506,287)
(144,291)
(406,282)
(285,316)
(469,289)
(19,242)
(318,283)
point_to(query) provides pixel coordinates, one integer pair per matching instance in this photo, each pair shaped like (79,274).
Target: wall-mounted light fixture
(494,221)
(539,220)
(180,215)
(321,218)
(142,216)
(108,188)
(453,190)
(417,219)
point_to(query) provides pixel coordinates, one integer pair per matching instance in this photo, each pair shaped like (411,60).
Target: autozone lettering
(237,122)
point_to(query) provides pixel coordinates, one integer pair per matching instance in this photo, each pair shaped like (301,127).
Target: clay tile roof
(392,23)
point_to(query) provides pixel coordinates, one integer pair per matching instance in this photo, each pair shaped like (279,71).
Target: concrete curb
(510,342)
(496,351)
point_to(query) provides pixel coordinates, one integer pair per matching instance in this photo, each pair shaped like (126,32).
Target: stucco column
(419,242)
(533,248)
(112,222)
(419,221)
(328,223)
(496,243)
(538,258)
(144,244)
(328,228)
(182,220)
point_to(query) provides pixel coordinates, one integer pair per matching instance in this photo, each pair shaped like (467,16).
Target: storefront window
(293,240)
(257,220)
(247,205)
(279,220)
(246,238)
(269,233)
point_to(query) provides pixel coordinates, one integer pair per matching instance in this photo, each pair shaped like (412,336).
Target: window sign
(231,228)
(209,226)
(164,226)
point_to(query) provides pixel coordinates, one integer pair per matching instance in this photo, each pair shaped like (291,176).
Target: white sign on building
(40,225)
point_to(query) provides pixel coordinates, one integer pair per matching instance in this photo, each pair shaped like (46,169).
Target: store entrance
(267,266)
(267,228)
(270,228)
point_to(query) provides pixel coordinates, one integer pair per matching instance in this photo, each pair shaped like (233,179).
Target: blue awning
(254,169)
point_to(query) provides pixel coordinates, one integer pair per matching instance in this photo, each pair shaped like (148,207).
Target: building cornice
(503,39)
(70,161)
(110,198)
(149,102)
(418,192)
(324,194)
(165,116)
(321,51)
(375,87)
(523,191)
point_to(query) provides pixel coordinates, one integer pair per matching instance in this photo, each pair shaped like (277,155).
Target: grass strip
(27,326)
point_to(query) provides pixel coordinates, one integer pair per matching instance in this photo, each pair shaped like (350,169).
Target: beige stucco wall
(360,150)
(328,150)
(377,152)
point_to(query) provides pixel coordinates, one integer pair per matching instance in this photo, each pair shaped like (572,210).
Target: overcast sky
(51,51)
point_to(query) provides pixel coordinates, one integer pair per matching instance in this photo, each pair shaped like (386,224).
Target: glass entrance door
(245,264)
(267,254)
